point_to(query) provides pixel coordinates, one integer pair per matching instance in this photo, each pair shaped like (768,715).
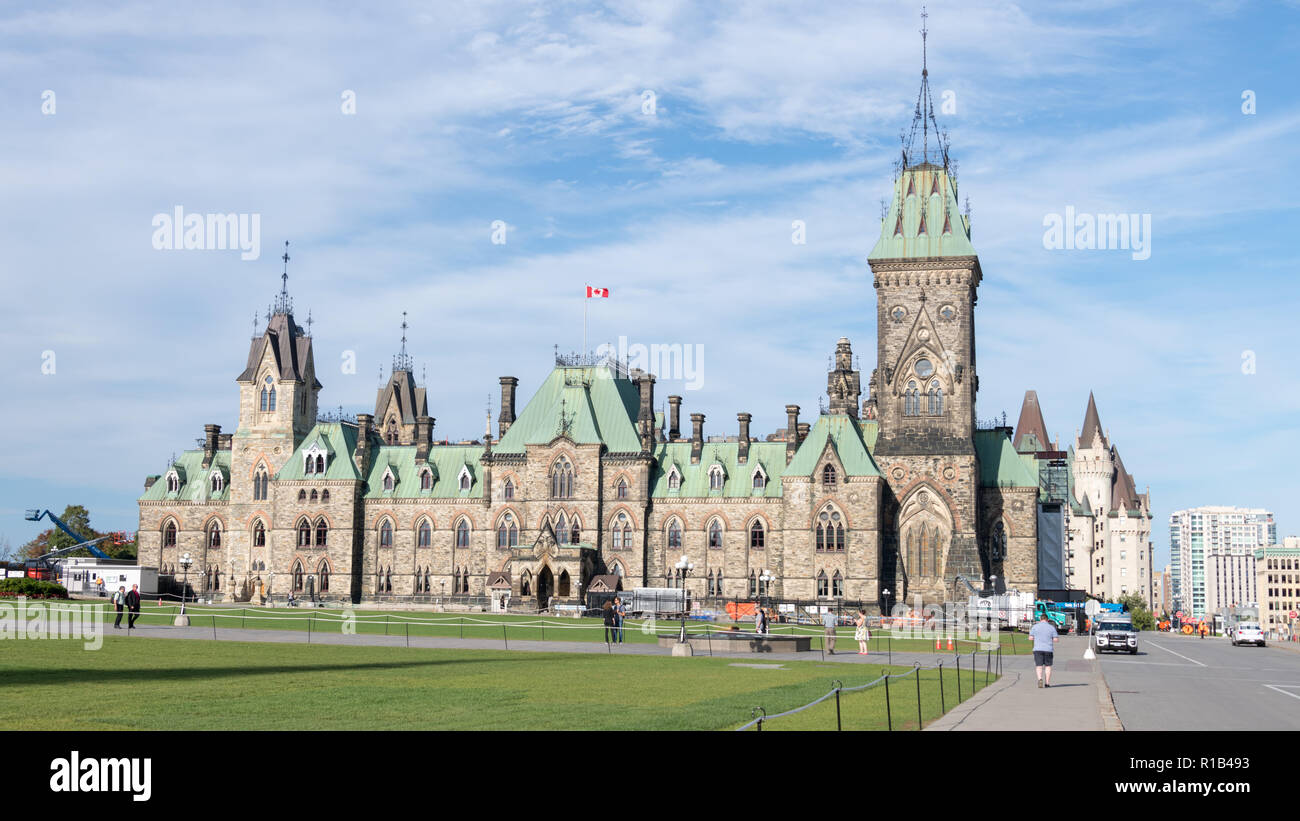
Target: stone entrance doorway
(545,587)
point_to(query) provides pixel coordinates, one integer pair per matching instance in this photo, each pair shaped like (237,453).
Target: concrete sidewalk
(1077,700)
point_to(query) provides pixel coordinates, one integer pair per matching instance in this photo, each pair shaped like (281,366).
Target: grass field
(517,627)
(176,684)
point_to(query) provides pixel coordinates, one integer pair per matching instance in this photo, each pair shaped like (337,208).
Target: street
(1178,682)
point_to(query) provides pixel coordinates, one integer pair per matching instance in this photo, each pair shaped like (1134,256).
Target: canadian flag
(601,292)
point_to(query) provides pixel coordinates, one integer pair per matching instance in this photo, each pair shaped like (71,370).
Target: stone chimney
(645,417)
(423,436)
(364,422)
(148,481)
(791,431)
(674,418)
(804,427)
(744,419)
(697,437)
(507,416)
(211,433)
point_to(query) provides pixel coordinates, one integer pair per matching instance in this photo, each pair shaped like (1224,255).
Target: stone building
(893,499)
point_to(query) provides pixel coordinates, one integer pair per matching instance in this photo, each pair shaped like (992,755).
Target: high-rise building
(1213,556)
(1277,570)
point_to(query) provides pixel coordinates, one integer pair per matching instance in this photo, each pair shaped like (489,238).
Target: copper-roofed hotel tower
(897,499)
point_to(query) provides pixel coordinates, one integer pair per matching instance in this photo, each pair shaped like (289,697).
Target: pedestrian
(829,623)
(607,611)
(119,599)
(133,605)
(100,584)
(620,615)
(862,634)
(1045,638)
(760,620)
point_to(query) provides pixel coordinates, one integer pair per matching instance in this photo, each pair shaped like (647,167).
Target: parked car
(1115,633)
(1248,633)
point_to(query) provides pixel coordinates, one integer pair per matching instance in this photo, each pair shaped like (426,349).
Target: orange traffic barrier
(950,642)
(936,643)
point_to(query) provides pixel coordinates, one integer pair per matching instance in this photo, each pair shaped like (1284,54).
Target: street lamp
(684,567)
(186,560)
(765,579)
(885,593)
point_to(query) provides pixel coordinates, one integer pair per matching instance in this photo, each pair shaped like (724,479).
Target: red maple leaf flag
(600,292)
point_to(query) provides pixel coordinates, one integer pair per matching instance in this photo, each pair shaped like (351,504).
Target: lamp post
(186,560)
(765,579)
(885,593)
(683,647)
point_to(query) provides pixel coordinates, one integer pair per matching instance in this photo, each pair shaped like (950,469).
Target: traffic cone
(936,643)
(949,642)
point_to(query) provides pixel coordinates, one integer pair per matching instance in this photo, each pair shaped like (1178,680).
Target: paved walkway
(1077,700)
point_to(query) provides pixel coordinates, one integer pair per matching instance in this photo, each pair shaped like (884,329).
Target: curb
(1106,702)
(952,719)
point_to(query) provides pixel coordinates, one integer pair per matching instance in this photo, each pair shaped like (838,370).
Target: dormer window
(465,480)
(389,480)
(759,479)
(217,482)
(426,480)
(173,483)
(314,460)
(674,479)
(716,477)
(829,475)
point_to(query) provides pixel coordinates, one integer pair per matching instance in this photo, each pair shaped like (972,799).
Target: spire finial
(284,305)
(923,115)
(402,362)
(309,321)
(254,324)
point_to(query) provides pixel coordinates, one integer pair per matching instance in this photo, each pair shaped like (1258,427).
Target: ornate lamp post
(885,593)
(684,568)
(765,580)
(186,560)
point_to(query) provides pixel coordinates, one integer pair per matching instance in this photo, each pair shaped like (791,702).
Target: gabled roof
(445,461)
(340,439)
(411,400)
(924,193)
(290,348)
(1000,464)
(1031,431)
(194,479)
(845,436)
(738,481)
(1092,436)
(589,405)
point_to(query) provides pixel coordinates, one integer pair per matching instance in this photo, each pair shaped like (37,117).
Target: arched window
(828,475)
(217,483)
(324,495)
(561,530)
(464,580)
(562,479)
(830,531)
(760,481)
(259,484)
(508,490)
(715,534)
(622,489)
(753,584)
(911,400)
(837,585)
(302,495)
(323,571)
(718,581)
(674,479)
(388,481)
(304,534)
(169,535)
(309,466)
(259,534)
(716,477)
(424,534)
(674,535)
(998,542)
(297,576)
(268,395)
(575,530)
(386,534)
(757,536)
(936,398)
(173,483)
(462,533)
(322,532)
(320,463)
(507,532)
(823,586)
(426,479)
(390,433)
(712,592)
(621,533)
(526,584)
(214,535)
(313,494)
(465,480)
(271,404)
(562,585)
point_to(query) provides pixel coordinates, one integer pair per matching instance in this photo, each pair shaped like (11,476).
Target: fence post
(504,635)
(889,715)
(890,646)
(839,723)
(958,658)
(988,665)
(999,659)
(972,672)
(943,707)
(1013,641)
(543,629)
(309,624)
(916,665)
(762,714)
(385,624)
(462,626)
(214,626)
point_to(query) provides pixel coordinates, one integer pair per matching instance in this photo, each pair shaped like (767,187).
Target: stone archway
(545,585)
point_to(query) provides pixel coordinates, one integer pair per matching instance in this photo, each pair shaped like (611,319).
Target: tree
(1137,609)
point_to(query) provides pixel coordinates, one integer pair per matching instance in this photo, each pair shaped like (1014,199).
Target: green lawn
(517,627)
(176,684)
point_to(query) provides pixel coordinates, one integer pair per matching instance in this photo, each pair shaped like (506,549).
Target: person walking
(829,622)
(760,621)
(1045,638)
(620,615)
(133,605)
(607,612)
(861,634)
(119,599)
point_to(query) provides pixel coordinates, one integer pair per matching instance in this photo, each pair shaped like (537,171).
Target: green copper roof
(338,440)
(846,438)
(195,481)
(927,191)
(446,463)
(589,404)
(738,479)
(1000,465)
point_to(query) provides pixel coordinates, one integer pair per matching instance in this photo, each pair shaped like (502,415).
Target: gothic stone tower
(923,392)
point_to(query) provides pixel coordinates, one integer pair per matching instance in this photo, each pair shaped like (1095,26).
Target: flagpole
(584,318)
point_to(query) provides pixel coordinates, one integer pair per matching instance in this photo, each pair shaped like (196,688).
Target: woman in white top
(862,634)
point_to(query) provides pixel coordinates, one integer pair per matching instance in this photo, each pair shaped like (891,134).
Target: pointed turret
(1091,435)
(1031,431)
(400,403)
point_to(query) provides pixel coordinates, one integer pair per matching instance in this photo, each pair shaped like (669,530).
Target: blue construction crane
(36,515)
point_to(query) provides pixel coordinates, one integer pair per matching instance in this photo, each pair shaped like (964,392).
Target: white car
(1247,633)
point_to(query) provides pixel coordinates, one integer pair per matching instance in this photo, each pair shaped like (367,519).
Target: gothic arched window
(837,585)
(621,532)
(507,532)
(322,532)
(324,572)
(674,535)
(823,587)
(386,534)
(169,535)
(830,531)
(214,535)
(426,480)
(715,534)
(936,398)
(562,479)
(508,490)
(828,475)
(561,530)
(622,489)
(911,400)
(462,533)
(760,481)
(320,463)
(217,483)
(757,537)
(313,494)
(424,534)
(716,477)
(297,576)
(304,534)
(674,479)
(259,534)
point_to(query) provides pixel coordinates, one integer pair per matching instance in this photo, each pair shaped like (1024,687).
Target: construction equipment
(1058,617)
(40,567)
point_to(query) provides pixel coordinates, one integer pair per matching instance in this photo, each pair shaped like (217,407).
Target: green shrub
(32,589)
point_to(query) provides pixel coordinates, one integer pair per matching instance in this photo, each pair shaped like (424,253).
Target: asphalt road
(1178,682)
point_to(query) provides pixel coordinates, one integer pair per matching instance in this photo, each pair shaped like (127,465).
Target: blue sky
(531,114)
